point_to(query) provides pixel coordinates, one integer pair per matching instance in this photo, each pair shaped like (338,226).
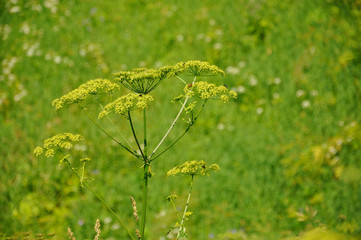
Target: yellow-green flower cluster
(142,80)
(171,197)
(193,168)
(197,68)
(206,90)
(126,103)
(57,143)
(92,87)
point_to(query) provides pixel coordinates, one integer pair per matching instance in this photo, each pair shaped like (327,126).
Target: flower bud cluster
(92,87)
(126,103)
(57,143)
(142,80)
(197,68)
(193,168)
(205,90)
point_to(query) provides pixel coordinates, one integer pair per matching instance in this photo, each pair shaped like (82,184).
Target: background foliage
(289,146)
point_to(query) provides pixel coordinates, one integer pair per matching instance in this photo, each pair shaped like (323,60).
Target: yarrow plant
(141,82)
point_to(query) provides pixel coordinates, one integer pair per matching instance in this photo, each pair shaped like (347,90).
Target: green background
(288,147)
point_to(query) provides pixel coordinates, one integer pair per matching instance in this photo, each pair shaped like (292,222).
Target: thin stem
(111,122)
(134,135)
(102,201)
(182,80)
(110,136)
(175,209)
(145,198)
(181,227)
(145,132)
(174,122)
(146,177)
(181,136)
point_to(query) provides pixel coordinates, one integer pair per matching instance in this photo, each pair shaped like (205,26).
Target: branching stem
(101,200)
(173,123)
(181,136)
(135,135)
(113,125)
(181,227)
(110,136)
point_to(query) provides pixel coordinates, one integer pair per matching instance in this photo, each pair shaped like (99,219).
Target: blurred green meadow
(289,147)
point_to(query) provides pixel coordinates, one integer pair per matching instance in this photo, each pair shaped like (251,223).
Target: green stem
(146,177)
(145,132)
(113,125)
(180,137)
(145,198)
(102,201)
(175,209)
(135,135)
(173,123)
(181,227)
(110,136)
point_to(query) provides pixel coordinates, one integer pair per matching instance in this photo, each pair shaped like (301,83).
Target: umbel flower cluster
(193,168)
(92,87)
(141,82)
(57,143)
(126,103)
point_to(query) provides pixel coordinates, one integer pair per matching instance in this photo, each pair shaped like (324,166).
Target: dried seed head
(97,229)
(71,234)
(135,211)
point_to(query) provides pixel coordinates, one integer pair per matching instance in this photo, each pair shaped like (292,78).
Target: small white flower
(277,81)
(36,7)
(80,147)
(180,38)
(276,95)
(253,80)
(259,110)
(20,95)
(339,142)
(341,123)
(217,46)
(6,71)
(107,220)
(219,32)
(332,150)
(25,28)
(241,64)
(212,22)
(232,70)
(47,56)
(239,89)
(221,126)
(11,77)
(57,59)
(306,104)
(300,93)
(82,52)
(5,31)
(15,9)
(115,226)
